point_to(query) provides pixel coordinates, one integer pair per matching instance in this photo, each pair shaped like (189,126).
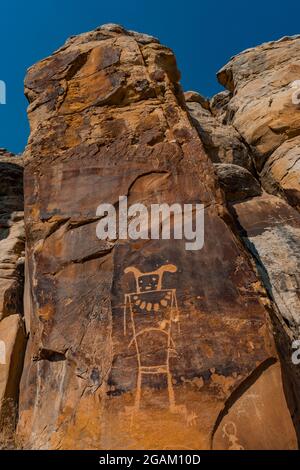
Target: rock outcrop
(222,143)
(237,182)
(280,174)
(12,332)
(262,105)
(271,230)
(137,343)
(265,110)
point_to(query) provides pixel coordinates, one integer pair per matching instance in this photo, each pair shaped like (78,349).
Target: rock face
(265,110)
(222,143)
(12,344)
(272,233)
(262,105)
(229,434)
(281,171)
(135,344)
(237,182)
(12,333)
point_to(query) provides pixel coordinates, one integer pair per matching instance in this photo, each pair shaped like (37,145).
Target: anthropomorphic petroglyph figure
(230,431)
(153,311)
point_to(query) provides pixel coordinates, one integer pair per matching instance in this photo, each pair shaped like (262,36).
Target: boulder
(281,173)
(195,97)
(222,143)
(237,182)
(218,105)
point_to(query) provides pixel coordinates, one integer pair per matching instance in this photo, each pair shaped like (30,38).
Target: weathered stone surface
(272,233)
(12,246)
(195,97)
(265,110)
(273,228)
(218,105)
(237,182)
(11,189)
(11,267)
(258,407)
(12,345)
(222,143)
(12,238)
(108,119)
(262,104)
(281,173)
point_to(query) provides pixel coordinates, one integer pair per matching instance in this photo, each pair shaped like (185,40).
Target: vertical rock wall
(12,331)
(135,344)
(262,106)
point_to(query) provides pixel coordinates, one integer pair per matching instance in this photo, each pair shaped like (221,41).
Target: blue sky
(203,34)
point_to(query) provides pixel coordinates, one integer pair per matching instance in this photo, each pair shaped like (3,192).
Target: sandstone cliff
(262,106)
(12,332)
(143,344)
